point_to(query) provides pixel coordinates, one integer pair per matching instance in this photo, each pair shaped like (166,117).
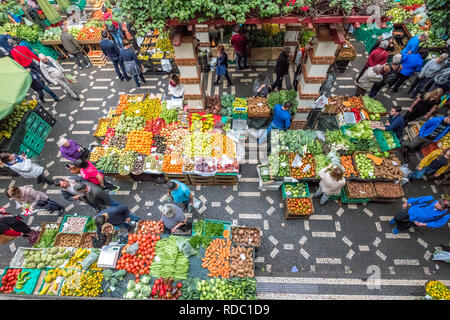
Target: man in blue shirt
(118,216)
(395,122)
(413,44)
(421,214)
(281,119)
(180,193)
(110,49)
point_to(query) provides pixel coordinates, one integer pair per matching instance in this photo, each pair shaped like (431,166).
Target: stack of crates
(369,35)
(37,131)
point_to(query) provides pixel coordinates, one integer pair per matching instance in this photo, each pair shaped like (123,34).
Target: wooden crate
(184,178)
(288,216)
(99,62)
(225,180)
(197,180)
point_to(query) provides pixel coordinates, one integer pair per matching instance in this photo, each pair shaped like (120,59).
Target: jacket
(281,118)
(71,152)
(328,185)
(23,56)
(239,43)
(431,68)
(412,45)
(7,224)
(116,216)
(222,60)
(377,56)
(443,77)
(27,169)
(4,42)
(369,78)
(110,49)
(37,83)
(50,72)
(282,66)
(99,198)
(429,126)
(30,195)
(69,43)
(177,91)
(430,158)
(426,213)
(411,63)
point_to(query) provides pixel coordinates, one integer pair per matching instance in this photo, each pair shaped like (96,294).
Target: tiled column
(319,58)
(190,75)
(202,34)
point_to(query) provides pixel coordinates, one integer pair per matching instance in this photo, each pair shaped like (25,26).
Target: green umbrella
(14,84)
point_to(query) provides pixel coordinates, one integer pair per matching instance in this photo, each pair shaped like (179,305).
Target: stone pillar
(319,58)
(202,34)
(190,74)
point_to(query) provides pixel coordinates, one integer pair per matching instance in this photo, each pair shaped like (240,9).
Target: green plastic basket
(345,199)
(68,216)
(38,126)
(242,116)
(226,226)
(33,142)
(29,286)
(382,140)
(283,190)
(28,151)
(46,50)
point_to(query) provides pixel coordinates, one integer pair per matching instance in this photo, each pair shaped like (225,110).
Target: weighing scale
(108,256)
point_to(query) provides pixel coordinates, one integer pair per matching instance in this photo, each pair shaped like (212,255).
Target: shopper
(180,193)
(71,150)
(24,43)
(413,44)
(27,59)
(386,36)
(421,214)
(90,173)
(281,68)
(38,85)
(13,226)
(25,167)
(371,76)
(331,182)
(222,65)
(129,33)
(133,66)
(29,198)
(4,42)
(113,27)
(239,43)
(395,123)
(176,89)
(442,80)
(425,105)
(69,187)
(433,130)
(73,48)
(262,86)
(110,49)
(173,218)
(378,56)
(389,73)
(99,198)
(53,71)
(281,120)
(437,163)
(426,75)
(411,63)
(117,216)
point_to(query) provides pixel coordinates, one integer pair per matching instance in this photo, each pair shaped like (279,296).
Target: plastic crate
(226,224)
(30,284)
(33,142)
(18,259)
(382,140)
(44,114)
(283,190)
(238,115)
(345,199)
(69,216)
(28,151)
(38,126)
(38,47)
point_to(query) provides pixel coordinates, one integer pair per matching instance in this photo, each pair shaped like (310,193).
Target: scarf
(172,84)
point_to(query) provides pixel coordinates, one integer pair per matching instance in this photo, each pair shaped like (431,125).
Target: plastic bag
(297,162)
(166,65)
(406,174)
(197,203)
(185,247)
(440,255)
(335,159)
(90,259)
(320,102)
(133,248)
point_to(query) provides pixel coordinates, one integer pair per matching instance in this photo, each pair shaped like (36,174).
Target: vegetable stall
(215,262)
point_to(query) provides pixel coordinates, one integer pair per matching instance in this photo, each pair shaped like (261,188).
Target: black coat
(110,49)
(282,66)
(37,83)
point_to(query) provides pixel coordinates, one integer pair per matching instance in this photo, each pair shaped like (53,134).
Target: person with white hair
(172,217)
(426,75)
(368,79)
(53,71)
(411,63)
(73,47)
(71,150)
(377,56)
(389,73)
(413,44)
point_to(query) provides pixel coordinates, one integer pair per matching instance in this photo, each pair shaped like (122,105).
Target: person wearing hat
(421,214)
(118,216)
(71,150)
(172,217)
(385,36)
(180,193)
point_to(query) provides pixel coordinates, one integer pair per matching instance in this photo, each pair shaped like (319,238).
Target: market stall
(143,265)
(145,138)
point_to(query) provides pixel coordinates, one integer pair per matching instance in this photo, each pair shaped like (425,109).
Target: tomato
(158,237)
(141,271)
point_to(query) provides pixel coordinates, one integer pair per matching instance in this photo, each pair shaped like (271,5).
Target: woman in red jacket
(13,226)
(379,56)
(27,59)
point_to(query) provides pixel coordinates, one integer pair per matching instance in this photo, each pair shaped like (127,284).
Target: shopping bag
(71,79)
(197,203)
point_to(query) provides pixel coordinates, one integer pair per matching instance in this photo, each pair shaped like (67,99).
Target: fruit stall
(156,52)
(216,262)
(25,130)
(144,138)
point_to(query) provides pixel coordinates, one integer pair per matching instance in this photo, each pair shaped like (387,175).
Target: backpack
(391,76)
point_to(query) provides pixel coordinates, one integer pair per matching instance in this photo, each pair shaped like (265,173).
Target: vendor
(180,193)
(395,123)
(261,86)
(173,218)
(413,44)
(281,120)
(421,214)
(118,216)
(176,89)
(331,182)
(437,163)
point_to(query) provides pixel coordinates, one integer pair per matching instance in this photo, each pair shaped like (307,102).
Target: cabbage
(130,295)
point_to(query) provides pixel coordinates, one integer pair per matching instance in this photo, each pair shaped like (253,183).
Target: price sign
(306,168)
(173,162)
(157,259)
(394,163)
(243,257)
(283,164)
(126,168)
(112,289)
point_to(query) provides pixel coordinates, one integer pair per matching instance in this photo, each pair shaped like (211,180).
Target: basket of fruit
(298,208)
(102,127)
